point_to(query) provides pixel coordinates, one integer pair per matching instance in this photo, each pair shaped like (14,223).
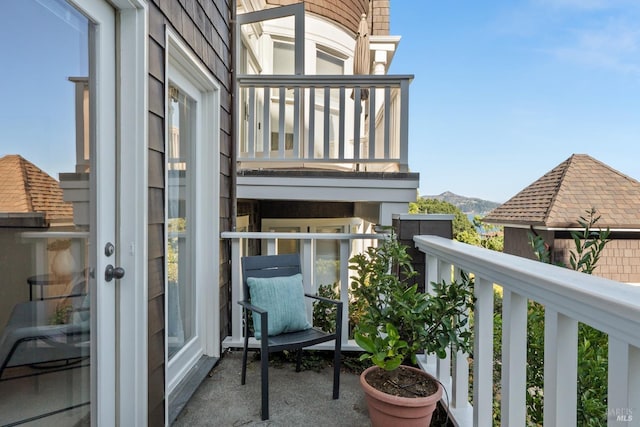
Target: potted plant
(398,322)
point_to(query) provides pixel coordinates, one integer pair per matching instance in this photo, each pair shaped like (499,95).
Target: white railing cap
(297,236)
(423,217)
(610,306)
(313,80)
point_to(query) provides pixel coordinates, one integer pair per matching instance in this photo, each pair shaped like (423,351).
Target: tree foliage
(463,229)
(473,232)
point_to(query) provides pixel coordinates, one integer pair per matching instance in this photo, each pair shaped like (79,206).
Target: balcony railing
(312,120)
(569,297)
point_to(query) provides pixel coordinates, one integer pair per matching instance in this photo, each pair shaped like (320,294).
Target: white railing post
(251,146)
(327,122)
(308,267)
(282,102)
(357,116)
(404,126)
(624,384)
(266,122)
(460,375)
(483,354)
(345,251)
(514,359)
(618,379)
(308,153)
(560,369)
(272,245)
(443,370)
(432,275)
(634,386)
(237,331)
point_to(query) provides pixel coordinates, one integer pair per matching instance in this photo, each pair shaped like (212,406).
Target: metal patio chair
(31,339)
(282,267)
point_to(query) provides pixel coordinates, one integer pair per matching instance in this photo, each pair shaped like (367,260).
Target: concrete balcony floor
(296,398)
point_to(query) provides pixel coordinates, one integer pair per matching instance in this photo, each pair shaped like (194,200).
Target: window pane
(283,58)
(45,172)
(328,64)
(181,298)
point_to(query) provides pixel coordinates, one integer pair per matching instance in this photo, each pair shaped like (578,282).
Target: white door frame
(206,196)
(132,221)
(119,367)
(102,51)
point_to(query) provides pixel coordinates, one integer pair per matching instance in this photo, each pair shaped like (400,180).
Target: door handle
(111,272)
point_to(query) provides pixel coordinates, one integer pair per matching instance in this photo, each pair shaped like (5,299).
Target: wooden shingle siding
(156,132)
(156,278)
(619,261)
(204,27)
(156,397)
(156,59)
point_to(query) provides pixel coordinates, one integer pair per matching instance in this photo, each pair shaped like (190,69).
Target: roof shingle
(565,193)
(25,188)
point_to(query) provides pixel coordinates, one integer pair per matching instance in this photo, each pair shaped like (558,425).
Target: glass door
(57,213)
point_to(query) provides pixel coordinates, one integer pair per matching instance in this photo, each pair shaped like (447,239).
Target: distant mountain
(469,205)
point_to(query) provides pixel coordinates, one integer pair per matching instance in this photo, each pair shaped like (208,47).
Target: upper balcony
(302,115)
(308,127)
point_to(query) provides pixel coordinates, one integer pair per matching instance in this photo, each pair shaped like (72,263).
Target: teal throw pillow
(283,298)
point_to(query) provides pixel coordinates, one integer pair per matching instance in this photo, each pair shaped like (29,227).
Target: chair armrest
(249,306)
(323,299)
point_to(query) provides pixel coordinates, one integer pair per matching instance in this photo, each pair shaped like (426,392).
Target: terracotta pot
(386,410)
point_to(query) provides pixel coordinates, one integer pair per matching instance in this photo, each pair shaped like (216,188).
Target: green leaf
(392,364)
(365,342)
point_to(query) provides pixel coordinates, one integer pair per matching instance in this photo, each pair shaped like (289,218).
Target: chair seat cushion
(283,298)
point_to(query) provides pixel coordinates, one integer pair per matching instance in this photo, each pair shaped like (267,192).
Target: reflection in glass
(44,214)
(327,259)
(181,295)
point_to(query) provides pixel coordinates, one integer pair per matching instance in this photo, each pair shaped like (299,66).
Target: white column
(388,209)
(380,62)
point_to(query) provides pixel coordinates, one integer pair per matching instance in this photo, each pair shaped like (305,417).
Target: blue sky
(504,91)
(44,43)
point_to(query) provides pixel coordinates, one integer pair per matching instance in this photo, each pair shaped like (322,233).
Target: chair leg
(336,354)
(336,371)
(299,360)
(243,379)
(264,363)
